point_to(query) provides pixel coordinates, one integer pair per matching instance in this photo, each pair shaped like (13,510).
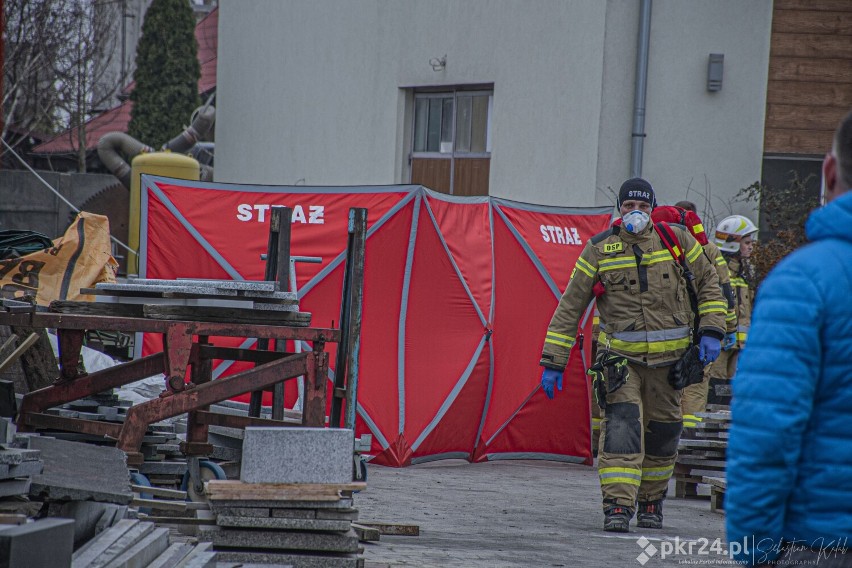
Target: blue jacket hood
(832,221)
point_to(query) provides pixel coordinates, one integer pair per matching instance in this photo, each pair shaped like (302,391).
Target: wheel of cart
(199,471)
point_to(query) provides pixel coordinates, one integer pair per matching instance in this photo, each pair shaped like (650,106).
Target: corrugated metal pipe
(638,138)
(201,124)
(112,145)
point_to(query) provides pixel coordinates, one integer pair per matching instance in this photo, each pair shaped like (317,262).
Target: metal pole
(638,136)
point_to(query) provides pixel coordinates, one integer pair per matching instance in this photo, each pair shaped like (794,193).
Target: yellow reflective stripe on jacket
(738,282)
(660,341)
(627,475)
(731,315)
(720,260)
(559,339)
(616,263)
(655,257)
(657,473)
(586,268)
(596,423)
(691,420)
(713,308)
(694,252)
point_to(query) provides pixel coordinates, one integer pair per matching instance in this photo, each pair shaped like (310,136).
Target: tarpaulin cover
(458,293)
(76,261)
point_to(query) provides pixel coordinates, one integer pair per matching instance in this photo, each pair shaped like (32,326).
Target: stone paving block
(15,487)
(294,513)
(170,557)
(48,542)
(205,559)
(90,517)
(133,535)
(84,555)
(283,523)
(348,514)
(297,455)
(279,539)
(14,456)
(249,511)
(25,468)
(143,552)
(74,471)
(343,503)
(163,468)
(294,559)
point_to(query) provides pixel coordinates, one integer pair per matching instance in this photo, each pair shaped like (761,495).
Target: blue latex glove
(709,349)
(550,377)
(730,341)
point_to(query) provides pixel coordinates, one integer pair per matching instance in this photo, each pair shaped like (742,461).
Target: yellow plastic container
(163,164)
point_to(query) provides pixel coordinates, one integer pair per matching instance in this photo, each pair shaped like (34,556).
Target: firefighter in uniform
(646,323)
(694,397)
(735,238)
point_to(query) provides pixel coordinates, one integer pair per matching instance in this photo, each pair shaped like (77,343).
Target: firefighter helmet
(731,230)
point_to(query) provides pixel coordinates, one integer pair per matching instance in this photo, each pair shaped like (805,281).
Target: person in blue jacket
(789,492)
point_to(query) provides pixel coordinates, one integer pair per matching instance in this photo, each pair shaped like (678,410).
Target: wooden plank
(798,117)
(18,351)
(810,69)
(797,141)
(158,504)
(823,5)
(434,173)
(812,22)
(38,363)
(159,492)
(231,490)
(366,533)
(471,176)
(393,529)
(97,309)
(226,315)
(810,45)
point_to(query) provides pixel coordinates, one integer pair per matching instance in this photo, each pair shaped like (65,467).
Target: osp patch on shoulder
(613,247)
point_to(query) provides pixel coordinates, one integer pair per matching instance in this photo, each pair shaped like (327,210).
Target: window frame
(454,93)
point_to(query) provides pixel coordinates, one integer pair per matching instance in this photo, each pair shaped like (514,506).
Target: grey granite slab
(47,542)
(279,539)
(86,554)
(296,560)
(15,487)
(253,512)
(171,556)
(141,554)
(74,471)
(343,503)
(14,456)
(297,455)
(283,523)
(25,468)
(348,514)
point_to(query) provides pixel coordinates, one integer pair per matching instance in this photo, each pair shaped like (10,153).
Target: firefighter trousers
(640,431)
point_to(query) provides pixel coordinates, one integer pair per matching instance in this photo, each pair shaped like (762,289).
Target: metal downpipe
(638,136)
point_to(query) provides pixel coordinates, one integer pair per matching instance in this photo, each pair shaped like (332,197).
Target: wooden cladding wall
(810,74)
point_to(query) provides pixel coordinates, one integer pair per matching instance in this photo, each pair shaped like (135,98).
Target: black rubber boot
(650,514)
(617,519)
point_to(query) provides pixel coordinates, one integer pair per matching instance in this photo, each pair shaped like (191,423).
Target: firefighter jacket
(743,298)
(645,310)
(715,256)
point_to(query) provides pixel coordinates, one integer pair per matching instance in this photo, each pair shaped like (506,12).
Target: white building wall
(313,92)
(702,146)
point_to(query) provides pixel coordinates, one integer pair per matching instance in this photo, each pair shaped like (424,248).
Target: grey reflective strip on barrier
(220,260)
(455,266)
(515,413)
(555,210)
(534,456)
(226,364)
(451,398)
(258,188)
(652,336)
(436,457)
(533,258)
(488,391)
(340,257)
(493,264)
(403,311)
(372,426)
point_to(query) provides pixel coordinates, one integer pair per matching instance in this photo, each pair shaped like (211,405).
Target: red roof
(117,118)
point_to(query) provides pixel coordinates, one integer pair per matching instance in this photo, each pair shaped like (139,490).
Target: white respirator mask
(635,221)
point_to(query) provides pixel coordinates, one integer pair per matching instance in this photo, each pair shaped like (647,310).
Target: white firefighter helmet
(731,230)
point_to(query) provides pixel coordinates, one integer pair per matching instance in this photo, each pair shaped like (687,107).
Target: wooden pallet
(718,485)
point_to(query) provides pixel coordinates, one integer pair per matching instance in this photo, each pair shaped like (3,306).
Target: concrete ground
(523,513)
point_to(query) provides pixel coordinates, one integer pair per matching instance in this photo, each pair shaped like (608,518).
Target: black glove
(688,370)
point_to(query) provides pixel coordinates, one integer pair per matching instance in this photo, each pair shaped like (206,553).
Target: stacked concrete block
(47,542)
(293,505)
(17,466)
(130,543)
